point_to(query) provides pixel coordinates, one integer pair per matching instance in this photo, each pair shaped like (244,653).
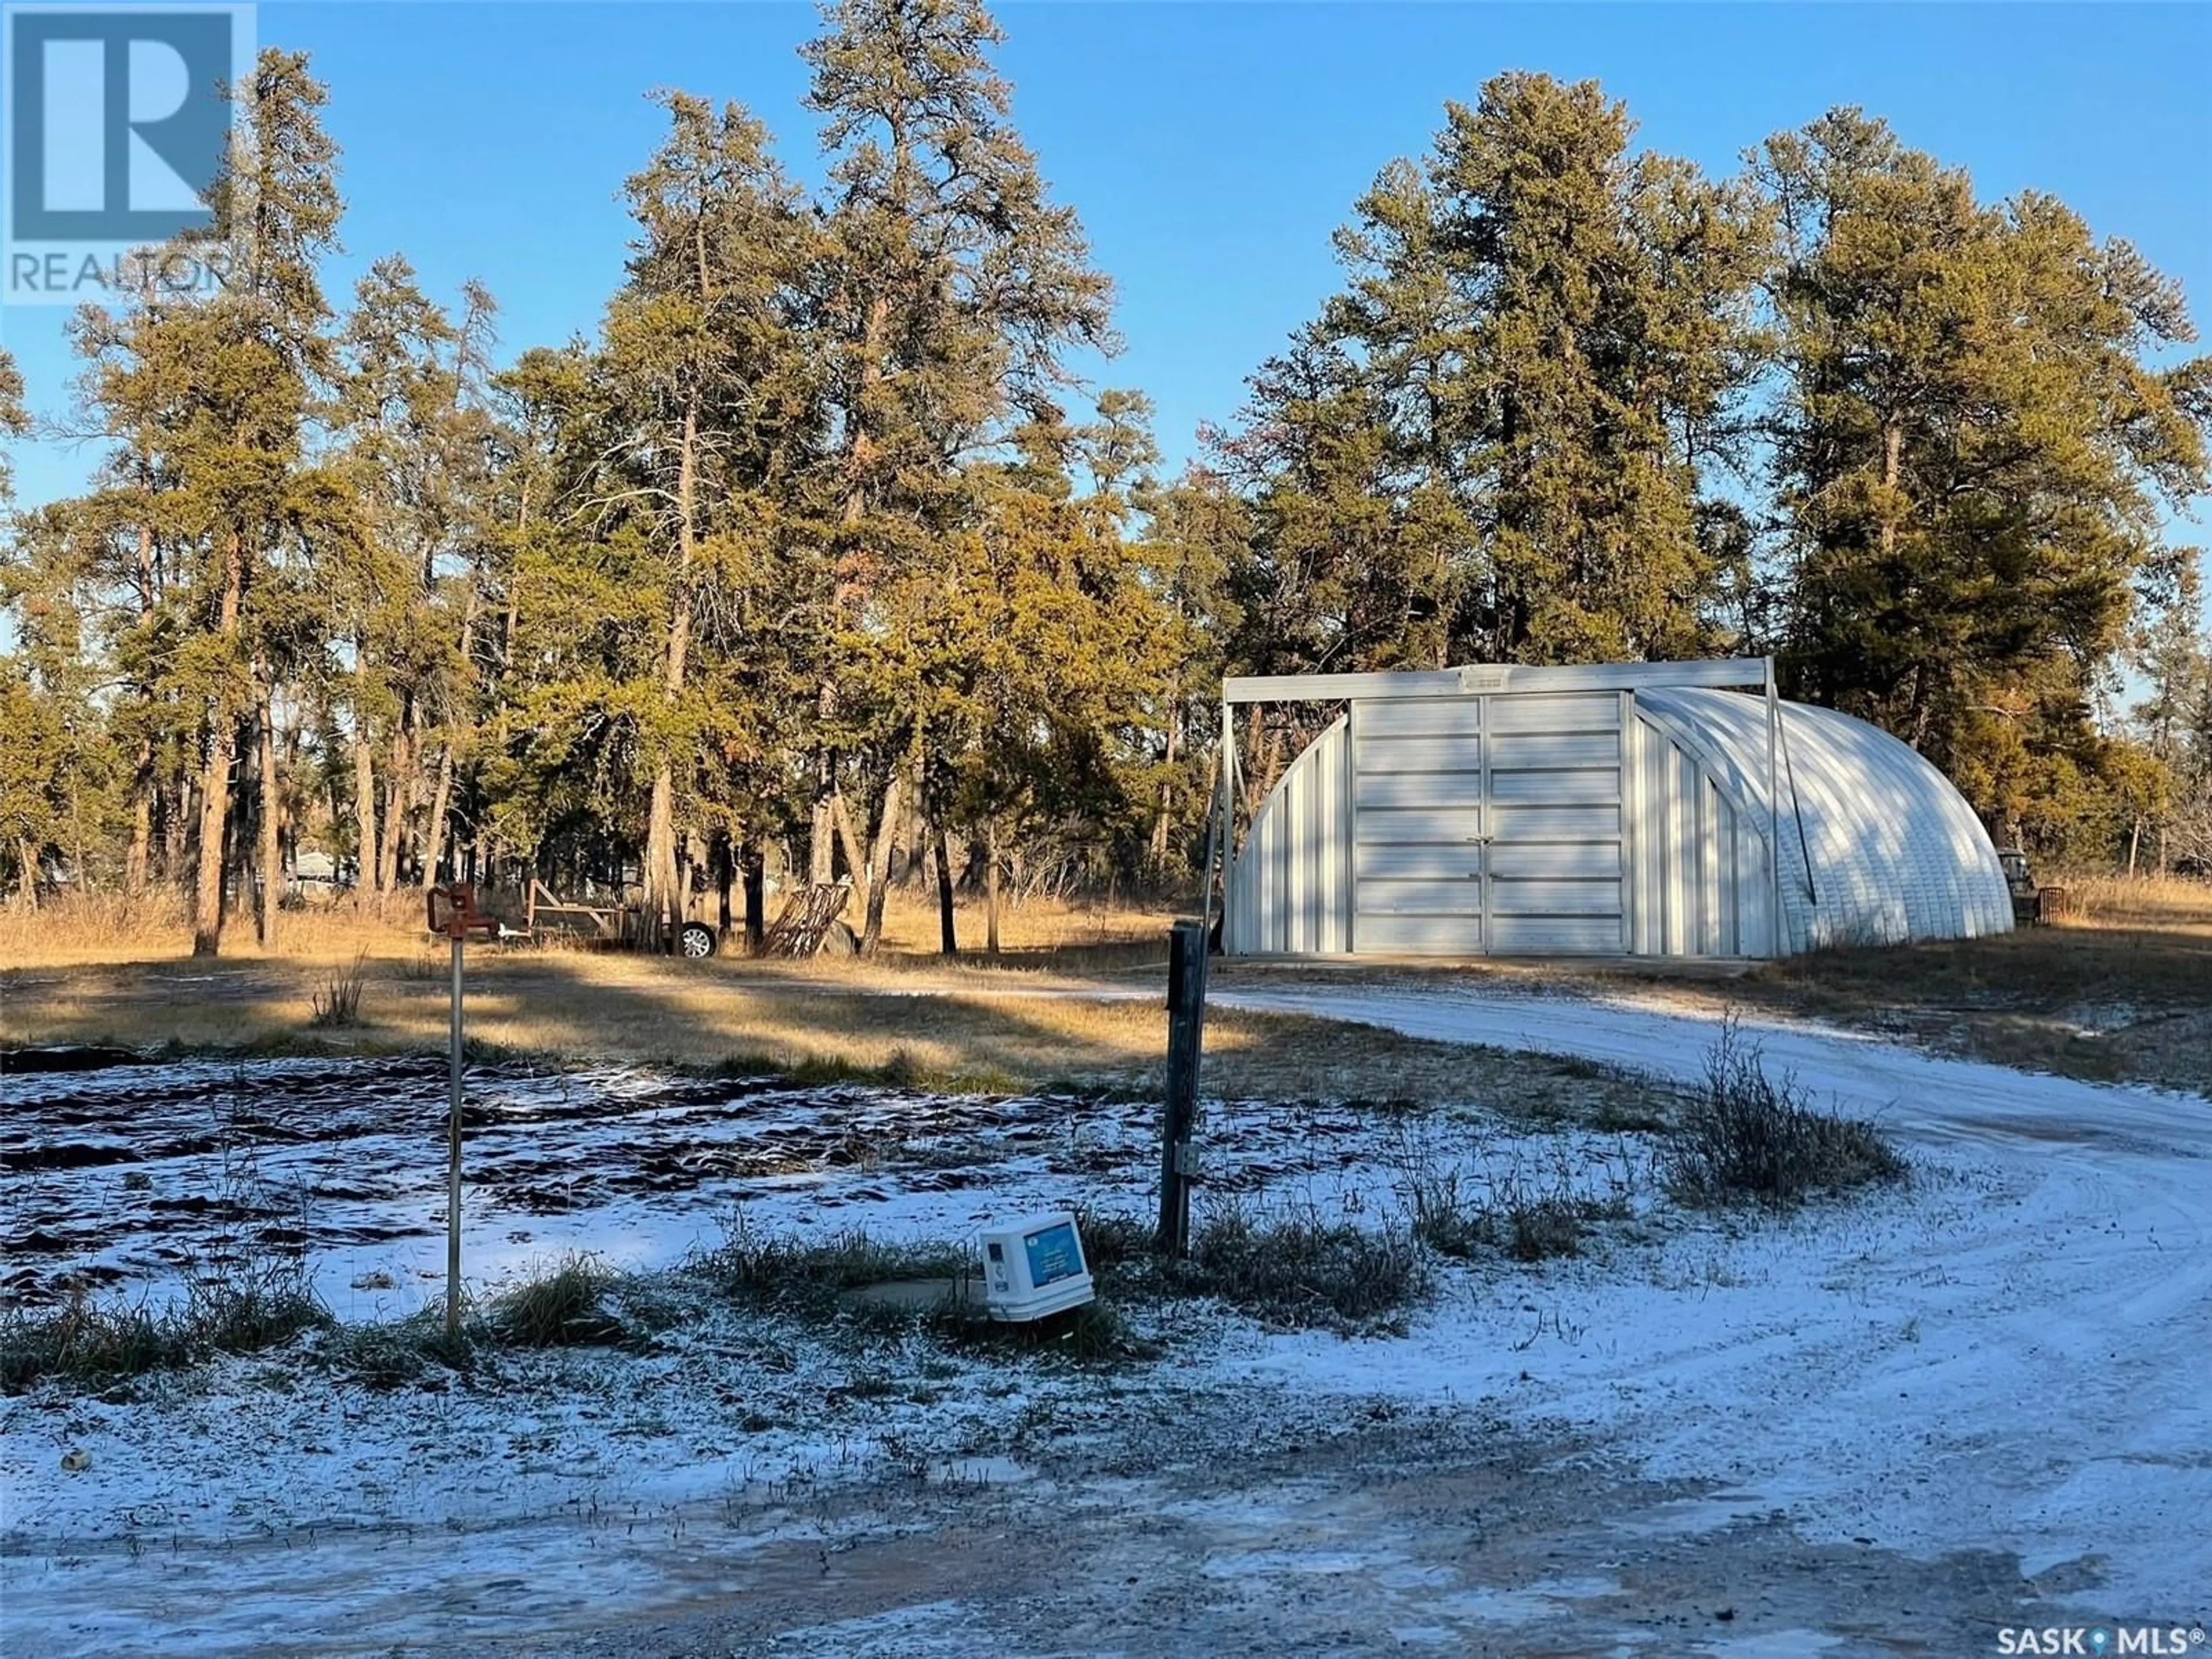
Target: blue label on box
(1053,1254)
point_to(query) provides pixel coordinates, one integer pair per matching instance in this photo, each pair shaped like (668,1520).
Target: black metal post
(1185,1040)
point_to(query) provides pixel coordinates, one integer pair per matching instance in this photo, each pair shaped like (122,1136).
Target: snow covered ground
(1986,1398)
(2021,1359)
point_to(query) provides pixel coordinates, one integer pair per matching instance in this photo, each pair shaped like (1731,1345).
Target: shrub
(1745,1135)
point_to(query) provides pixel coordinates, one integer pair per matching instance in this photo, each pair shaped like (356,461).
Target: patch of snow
(2008,1355)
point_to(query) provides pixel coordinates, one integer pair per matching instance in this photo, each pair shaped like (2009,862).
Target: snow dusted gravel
(1898,1425)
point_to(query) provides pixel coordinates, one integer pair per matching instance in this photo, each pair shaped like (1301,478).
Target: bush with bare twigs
(1745,1134)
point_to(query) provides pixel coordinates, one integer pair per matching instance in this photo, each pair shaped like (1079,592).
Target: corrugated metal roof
(1896,852)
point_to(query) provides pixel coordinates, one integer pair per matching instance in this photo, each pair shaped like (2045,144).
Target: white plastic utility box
(1034,1268)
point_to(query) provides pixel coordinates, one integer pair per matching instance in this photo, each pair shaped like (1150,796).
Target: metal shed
(1642,809)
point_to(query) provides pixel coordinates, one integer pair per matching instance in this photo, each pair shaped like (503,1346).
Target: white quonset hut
(1632,809)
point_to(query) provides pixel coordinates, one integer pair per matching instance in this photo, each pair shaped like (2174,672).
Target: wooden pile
(808,915)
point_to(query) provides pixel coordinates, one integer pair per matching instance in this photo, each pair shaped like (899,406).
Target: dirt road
(1991,1412)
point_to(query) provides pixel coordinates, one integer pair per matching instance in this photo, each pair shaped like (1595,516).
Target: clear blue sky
(1210,148)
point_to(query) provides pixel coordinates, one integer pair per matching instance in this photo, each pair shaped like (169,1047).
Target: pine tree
(2171,653)
(30,755)
(15,423)
(1970,455)
(241,371)
(1496,444)
(415,450)
(716,411)
(950,291)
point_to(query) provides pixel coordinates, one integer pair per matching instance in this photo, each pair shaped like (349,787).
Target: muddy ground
(1440,1532)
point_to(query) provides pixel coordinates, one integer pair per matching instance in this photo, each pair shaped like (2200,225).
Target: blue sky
(1210,148)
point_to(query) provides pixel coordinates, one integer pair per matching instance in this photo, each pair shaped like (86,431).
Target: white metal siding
(1487,823)
(1895,853)
(1604,810)
(1417,773)
(1289,894)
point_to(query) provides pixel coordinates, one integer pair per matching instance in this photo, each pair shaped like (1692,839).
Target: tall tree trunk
(860,456)
(879,868)
(369,866)
(177,830)
(822,840)
(991,887)
(663,904)
(756,884)
(134,860)
(441,800)
(856,861)
(725,859)
(948,942)
(367,856)
(215,768)
(395,812)
(26,872)
(272,869)
(236,873)
(1893,468)
(1167,793)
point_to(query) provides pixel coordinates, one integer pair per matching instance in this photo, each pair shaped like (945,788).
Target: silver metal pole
(453,1163)
(1229,942)
(1779,935)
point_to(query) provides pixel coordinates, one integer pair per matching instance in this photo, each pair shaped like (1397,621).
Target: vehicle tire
(695,939)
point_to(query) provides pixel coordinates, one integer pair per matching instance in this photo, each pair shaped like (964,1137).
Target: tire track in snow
(2016,1360)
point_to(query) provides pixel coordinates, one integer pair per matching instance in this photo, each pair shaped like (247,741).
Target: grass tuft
(562,1307)
(1290,1267)
(95,1341)
(86,1339)
(397,1352)
(1747,1136)
(336,1003)
(808,1275)
(1298,1268)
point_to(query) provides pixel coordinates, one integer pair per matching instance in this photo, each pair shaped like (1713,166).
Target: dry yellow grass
(2121,989)
(2167,904)
(90,927)
(996,1031)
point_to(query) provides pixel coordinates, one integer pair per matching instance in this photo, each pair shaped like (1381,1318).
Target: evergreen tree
(948,293)
(234,378)
(716,415)
(1970,453)
(1495,445)
(415,450)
